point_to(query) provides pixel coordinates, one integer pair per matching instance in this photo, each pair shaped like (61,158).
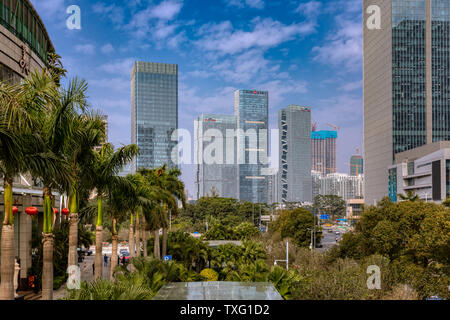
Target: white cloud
(121,67)
(107,49)
(266,33)
(49,7)
(156,22)
(310,9)
(351,86)
(116,85)
(88,49)
(166,10)
(257,4)
(344,46)
(112,12)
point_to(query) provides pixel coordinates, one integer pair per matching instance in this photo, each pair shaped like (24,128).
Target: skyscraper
(356,165)
(323,151)
(215,156)
(154,114)
(252,116)
(406,83)
(294,123)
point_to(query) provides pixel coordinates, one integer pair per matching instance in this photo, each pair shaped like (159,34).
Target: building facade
(323,151)
(24,41)
(338,184)
(406,77)
(252,117)
(215,156)
(424,170)
(294,124)
(273,186)
(154,114)
(356,165)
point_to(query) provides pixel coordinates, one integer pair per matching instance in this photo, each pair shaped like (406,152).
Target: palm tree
(175,187)
(21,107)
(106,166)
(409,196)
(118,206)
(89,132)
(156,215)
(58,128)
(142,196)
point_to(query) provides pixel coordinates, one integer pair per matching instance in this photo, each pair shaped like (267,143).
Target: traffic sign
(167,258)
(325,217)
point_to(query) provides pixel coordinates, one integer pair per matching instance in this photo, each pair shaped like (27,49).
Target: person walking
(105,258)
(93,269)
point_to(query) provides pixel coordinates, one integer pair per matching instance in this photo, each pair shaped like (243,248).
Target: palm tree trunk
(7,246)
(98,265)
(48,242)
(141,235)
(131,238)
(137,235)
(156,249)
(73,230)
(113,256)
(144,236)
(164,242)
(98,253)
(47,269)
(73,239)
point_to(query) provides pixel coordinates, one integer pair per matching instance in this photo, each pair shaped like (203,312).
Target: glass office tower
(294,124)
(215,156)
(252,115)
(406,84)
(154,114)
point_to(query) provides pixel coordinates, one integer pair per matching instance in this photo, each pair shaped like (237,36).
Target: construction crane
(335,127)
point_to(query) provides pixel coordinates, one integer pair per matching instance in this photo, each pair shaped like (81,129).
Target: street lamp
(287,257)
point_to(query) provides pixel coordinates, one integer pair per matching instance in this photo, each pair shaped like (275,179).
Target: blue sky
(306,52)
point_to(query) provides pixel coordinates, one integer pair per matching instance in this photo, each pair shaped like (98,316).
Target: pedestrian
(105,258)
(93,269)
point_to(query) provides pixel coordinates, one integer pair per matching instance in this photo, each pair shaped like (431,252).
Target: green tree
(331,205)
(89,132)
(21,107)
(297,225)
(106,166)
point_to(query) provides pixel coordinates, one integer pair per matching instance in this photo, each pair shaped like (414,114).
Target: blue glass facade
(252,115)
(154,115)
(440,21)
(393,184)
(408,74)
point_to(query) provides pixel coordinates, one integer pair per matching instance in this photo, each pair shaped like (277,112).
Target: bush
(210,274)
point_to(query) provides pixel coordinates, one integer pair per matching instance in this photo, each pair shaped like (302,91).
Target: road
(328,239)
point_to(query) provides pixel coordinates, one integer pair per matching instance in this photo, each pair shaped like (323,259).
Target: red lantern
(31,211)
(15,210)
(55,210)
(65,211)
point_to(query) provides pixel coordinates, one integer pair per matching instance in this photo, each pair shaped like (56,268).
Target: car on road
(338,233)
(330,231)
(319,245)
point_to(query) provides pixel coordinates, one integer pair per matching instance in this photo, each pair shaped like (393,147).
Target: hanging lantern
(65,211)
(55,210)
(15,210)
(31,211)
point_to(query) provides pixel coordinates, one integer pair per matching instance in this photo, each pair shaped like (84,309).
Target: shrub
(210,274)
